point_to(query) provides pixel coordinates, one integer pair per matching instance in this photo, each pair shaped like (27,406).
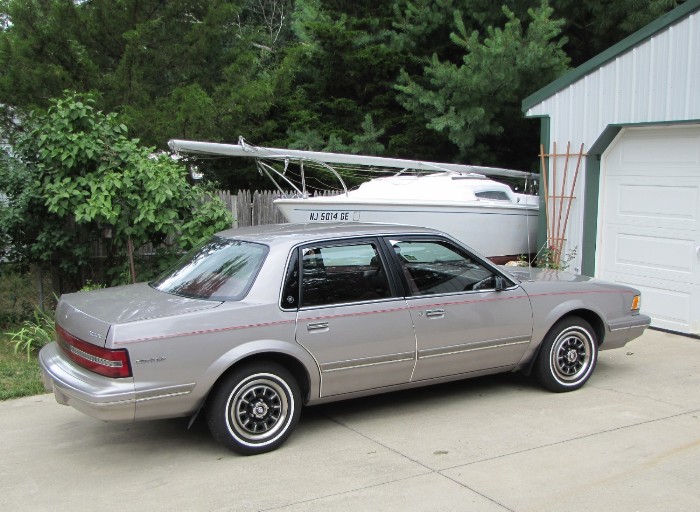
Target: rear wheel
(568,355)
(255,408)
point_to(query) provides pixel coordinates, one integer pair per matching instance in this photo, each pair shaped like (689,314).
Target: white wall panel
(649,221)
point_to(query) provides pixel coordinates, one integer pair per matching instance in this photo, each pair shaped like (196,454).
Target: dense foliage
(439,79)
(433,79)
(73,173)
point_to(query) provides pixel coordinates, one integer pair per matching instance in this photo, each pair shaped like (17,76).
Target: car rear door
(351,318)
(467,316)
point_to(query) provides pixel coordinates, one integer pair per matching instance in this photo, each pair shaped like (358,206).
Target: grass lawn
(18,377)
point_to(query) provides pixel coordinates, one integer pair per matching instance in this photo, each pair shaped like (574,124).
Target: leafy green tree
(40,54)
(344,67)
(304,73)
(163,66)
(476,103)
(18,199)
(75,172)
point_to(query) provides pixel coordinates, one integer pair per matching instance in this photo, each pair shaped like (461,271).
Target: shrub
(549,257)
(34,333)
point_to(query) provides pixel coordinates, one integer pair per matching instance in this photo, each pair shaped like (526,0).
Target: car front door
(467,316)
(351,318)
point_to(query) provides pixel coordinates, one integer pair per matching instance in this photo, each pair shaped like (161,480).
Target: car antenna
(527,228)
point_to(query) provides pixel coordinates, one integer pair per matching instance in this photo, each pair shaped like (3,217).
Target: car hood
(88,315)
(525,274)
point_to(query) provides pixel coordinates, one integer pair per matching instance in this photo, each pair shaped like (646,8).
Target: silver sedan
(255,323)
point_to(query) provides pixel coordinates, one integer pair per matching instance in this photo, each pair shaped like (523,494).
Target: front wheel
(567,356)
(255,408)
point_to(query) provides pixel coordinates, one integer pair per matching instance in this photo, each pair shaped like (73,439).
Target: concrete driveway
(628,441)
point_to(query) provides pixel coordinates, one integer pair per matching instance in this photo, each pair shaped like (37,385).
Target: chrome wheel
(254,408)
(259,407)
(571,354)
(567,356)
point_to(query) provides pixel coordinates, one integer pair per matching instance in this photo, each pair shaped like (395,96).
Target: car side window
(338,274)
(432,266)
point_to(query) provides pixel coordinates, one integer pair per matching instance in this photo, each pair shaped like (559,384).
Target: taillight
(107,362)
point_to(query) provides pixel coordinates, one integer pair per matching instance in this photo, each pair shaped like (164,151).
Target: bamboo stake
(573,186)
(553,159)
(560,233)
(546,195)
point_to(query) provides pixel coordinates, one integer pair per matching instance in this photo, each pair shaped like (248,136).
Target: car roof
(272,234)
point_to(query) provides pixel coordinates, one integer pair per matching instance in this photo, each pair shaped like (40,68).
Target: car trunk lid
(89,315)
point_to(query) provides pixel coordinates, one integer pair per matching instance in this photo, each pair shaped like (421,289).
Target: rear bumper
(623,331)
(100,397)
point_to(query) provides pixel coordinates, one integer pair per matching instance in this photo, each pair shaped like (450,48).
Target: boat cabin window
(498,195)
(433,267)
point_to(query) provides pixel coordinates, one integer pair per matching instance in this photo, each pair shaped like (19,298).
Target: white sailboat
(461,200)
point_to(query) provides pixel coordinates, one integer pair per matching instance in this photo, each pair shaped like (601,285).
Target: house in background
(635,215)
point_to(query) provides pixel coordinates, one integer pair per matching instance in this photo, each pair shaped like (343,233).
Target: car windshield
(216,269)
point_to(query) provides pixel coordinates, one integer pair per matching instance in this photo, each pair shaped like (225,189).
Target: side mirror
(501,283)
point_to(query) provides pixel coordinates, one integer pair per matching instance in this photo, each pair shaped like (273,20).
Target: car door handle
(317,326)
(435,313)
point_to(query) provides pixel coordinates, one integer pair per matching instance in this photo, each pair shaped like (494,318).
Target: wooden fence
(254,208)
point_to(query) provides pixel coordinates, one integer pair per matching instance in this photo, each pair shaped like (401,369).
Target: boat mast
(243,149)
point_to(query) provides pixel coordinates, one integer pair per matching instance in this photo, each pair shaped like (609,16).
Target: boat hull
(494,231)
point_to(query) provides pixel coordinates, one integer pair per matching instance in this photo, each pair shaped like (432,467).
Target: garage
(649,222)
(635,207)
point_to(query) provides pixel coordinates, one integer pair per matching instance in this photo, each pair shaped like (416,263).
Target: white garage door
(649,222)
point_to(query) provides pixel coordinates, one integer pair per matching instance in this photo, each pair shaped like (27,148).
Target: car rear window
(217,269)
